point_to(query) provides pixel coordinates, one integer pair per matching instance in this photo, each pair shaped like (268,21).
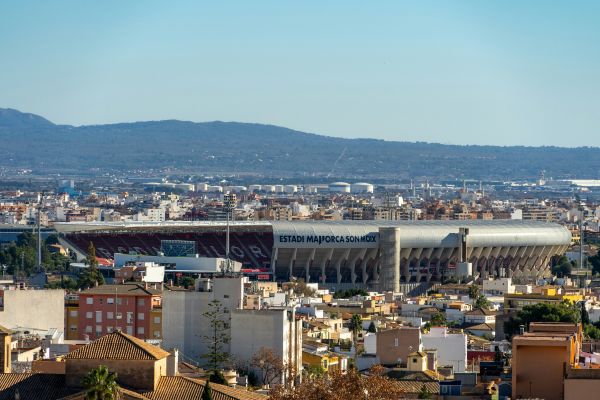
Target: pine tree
(218,337)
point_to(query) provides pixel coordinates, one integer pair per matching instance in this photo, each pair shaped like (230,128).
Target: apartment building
(131,308)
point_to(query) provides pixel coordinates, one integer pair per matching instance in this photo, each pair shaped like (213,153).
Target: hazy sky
(465,72)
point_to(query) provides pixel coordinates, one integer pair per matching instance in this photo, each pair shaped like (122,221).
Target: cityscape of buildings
(434,284)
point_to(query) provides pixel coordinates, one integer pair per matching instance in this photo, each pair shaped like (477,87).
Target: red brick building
(132,308)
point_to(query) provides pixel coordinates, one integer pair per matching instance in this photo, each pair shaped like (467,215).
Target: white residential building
(451,347)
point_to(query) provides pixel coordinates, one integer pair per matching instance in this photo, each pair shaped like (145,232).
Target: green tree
(438,319)
(187,282)
(594,261)
(473,291)
(482,302)
(51,239)
(591,331)
(26,239)
(207,392)
(100,384)
(217,318)
(91,259)
(585,317)
(314,371)
(424,393)
(91,276)
(565,311)
(372,328)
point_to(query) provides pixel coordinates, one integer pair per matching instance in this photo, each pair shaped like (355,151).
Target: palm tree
(100,384)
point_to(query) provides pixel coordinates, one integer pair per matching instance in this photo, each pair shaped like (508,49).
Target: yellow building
(71,316)
(317,354)
(514,302)
(327,361)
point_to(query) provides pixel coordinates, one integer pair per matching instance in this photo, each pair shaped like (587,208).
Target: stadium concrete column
(369,254)
(274,260)
(292,260)
(309,263)
(353,264)
(326,262)
(338,266)
(389,247)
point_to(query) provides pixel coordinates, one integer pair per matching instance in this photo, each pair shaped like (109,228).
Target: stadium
(380,254)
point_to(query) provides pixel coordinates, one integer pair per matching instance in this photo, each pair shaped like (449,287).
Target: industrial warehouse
(377,254)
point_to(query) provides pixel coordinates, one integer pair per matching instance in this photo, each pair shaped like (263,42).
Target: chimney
(172,363)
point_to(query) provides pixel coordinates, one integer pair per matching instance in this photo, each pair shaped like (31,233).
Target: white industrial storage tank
(279,188)
(255,188)
(339,187)
(290,189)
(362,187)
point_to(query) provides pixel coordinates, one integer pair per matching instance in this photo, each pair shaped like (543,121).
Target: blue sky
(464,72)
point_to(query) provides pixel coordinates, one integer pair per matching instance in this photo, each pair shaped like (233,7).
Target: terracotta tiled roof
(481,311)
(124,394)
(415,386)
(118,346)
(179,387)
(481,327)
(32,386)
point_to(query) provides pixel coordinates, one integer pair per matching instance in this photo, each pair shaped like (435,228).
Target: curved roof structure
(345,251)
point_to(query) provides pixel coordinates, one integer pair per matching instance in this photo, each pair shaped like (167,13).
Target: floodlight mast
(229,200)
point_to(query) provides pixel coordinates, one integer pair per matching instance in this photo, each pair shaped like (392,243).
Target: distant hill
(30,141)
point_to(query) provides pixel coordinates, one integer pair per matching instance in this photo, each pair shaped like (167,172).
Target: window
(73,328)
(89,315)
(73,313)
(119,301)
(157,334)
(109,329)
(89,300)
(157,320)
(140,330)
(119,315)
(109,315)
(396,342)
(129,317)
(98,316)
(140,302)
(225,296)
(98,329)
(110,300)
(140,316)
(414,360)
(88,329)
(130,330)
(101,300)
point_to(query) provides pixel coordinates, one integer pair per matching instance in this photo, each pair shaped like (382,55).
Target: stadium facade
(381,253)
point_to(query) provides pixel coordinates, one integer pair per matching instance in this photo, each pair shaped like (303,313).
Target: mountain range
(31,141)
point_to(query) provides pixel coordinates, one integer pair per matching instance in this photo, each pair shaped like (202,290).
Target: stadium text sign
(367,240)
